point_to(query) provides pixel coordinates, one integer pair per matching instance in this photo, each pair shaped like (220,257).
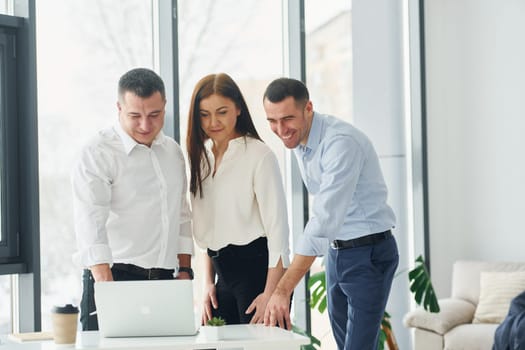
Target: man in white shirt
(132,218)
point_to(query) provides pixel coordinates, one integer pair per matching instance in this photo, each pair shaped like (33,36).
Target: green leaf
(385,322)
(313,340)
(216,321)
(381,340)
(316,277)
(322,305)
(317,286)
(421,286)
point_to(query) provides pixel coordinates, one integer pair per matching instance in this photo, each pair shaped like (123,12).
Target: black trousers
(241,272)
(89,320)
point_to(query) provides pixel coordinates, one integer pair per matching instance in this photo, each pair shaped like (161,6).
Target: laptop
(145,308)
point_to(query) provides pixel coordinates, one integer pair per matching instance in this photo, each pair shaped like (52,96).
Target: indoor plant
(213,328)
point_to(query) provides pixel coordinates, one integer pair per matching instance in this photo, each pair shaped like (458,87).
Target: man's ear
(119,107)
(309,106)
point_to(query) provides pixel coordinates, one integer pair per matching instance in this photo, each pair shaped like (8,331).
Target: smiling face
(218,117)
(289,120)
(142,118)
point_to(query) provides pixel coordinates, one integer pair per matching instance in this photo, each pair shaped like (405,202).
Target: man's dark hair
(281,88)
(143,82)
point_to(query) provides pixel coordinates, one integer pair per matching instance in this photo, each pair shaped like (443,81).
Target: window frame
(9,242)
(21,185)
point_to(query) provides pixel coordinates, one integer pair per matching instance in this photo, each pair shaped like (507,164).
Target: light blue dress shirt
(340,168)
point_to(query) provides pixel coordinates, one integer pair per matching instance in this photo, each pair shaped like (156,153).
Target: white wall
(475,55)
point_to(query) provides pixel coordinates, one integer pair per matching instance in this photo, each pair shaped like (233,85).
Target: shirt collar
(208,143)
(129,143)
(314,136)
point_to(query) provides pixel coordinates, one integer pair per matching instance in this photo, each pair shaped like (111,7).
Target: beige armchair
(464,321)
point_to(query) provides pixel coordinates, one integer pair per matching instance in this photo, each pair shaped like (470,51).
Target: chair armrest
(453,313)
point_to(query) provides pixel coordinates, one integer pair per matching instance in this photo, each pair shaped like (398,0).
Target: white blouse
(243,201)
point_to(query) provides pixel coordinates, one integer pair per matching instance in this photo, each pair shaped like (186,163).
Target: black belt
(149,274)
(361,241)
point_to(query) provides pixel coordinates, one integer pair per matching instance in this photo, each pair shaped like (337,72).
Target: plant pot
(213,332)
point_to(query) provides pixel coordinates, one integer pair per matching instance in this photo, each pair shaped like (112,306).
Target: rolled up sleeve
(91,203)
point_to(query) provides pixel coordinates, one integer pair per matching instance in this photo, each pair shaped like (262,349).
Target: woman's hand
(210,300)
(259,305)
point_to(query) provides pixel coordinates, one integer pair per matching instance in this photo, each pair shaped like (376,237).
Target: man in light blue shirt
(350,220)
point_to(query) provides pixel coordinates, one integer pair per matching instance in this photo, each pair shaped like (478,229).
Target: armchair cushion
(468,336)
(453,312)
(497,289)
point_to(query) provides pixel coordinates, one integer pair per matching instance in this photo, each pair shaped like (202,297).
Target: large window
(83,48)
(328,43)
(329,56)
(240,38)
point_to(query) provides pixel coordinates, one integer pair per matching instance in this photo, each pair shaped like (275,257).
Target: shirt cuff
(185,245)
(311,246)
(273,259)
(93,255)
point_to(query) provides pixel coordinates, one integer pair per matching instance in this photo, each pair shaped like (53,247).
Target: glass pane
(226,36)
(329,80)
(6,7)
(329,56)
(240,38)
(5,304)
(83,47)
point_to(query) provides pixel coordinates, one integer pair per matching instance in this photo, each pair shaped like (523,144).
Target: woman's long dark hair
(223,85)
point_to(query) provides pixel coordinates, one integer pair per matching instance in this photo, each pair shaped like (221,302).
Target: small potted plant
(212,330)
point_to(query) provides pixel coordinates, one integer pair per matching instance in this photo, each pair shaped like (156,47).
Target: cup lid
(68,309)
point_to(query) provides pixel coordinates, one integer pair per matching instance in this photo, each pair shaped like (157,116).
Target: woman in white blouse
(239,208)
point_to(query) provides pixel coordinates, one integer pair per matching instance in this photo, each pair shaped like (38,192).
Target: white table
(246,337)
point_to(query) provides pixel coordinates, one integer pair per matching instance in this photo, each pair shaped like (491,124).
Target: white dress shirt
(130,202)
(243,201)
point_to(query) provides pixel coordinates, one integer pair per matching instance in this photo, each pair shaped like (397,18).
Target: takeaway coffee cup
(65,319)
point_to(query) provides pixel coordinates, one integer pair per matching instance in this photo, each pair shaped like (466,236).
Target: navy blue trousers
(358,282)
